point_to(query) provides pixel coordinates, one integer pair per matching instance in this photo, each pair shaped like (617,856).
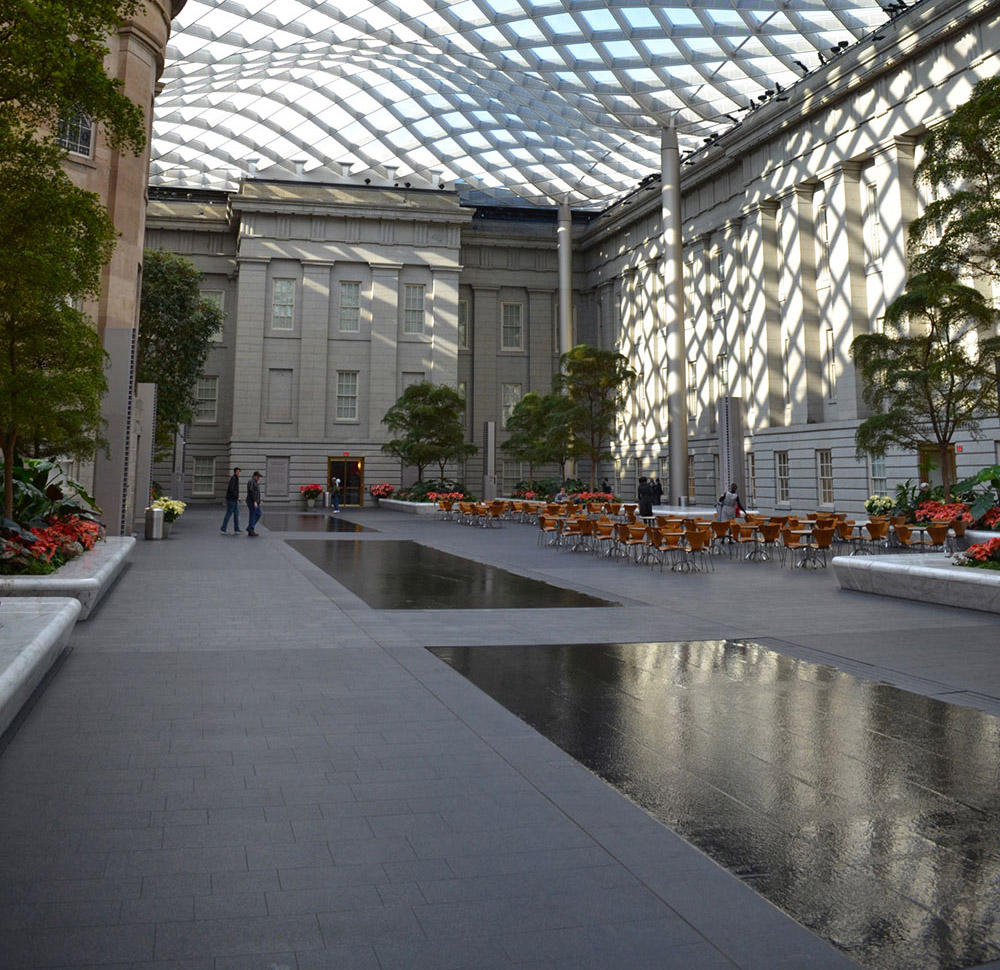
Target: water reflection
(404,575)
(867,813)
(310,522)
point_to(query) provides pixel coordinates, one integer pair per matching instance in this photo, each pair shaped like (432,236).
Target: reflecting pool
(310,522)
(405,575)
(867,813)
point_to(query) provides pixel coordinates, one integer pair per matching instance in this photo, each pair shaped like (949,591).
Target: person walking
(729,506)
(232,503)
(253,502)
(645,497)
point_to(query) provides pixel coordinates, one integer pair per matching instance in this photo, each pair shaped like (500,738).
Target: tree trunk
(943,455)
(8,474)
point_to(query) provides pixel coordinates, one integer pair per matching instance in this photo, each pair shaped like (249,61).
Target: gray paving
(240,765)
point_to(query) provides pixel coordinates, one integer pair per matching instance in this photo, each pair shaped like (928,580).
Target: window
(823,228)
(347,395)
(512,472)
(719,286)
(463,324)
(350,306)
(217,299)
(831,367)
(786,371)
(878,326)
(824,476)
(413,308)
(751,495)
(283,305)
(203,477)
(782,489)
(692,389)
(206,408)
(876,473)
(511,326)
(76,134)
(510,398)
(692,480)
(874,225)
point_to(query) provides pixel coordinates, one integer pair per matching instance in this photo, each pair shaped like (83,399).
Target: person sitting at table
(645,497)
(729,506)
(562,495)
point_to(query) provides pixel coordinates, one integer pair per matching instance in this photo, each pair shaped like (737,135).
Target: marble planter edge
(86,578)
(33,634)
(909,577)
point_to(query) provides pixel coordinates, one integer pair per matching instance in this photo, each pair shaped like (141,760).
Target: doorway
(351,472)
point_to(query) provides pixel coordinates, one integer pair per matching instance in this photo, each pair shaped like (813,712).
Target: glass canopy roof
(537,102)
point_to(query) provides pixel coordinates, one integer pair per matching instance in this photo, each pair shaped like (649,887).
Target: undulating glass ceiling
(542,101)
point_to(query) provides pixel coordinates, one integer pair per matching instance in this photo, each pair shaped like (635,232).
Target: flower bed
(982,555)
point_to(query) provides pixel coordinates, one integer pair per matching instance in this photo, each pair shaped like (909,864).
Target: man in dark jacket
(253,502)
(232,503)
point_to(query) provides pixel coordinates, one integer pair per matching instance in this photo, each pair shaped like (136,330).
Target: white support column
(673,307)
(313,351)
(564,244)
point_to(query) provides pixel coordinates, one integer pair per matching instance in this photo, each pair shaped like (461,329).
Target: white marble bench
(929,578)
(86,578)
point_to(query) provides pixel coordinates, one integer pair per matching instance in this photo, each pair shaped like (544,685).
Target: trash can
(154,523)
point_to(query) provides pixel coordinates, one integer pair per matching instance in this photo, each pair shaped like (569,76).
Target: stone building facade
(794,224)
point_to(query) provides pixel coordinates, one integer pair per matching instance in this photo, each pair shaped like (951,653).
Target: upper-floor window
(347,395)
(283,305)
(874,222)
(463,323)
(350,306)
(413,308)
(511,326)
(692,390)
(217,299)
(206,408)
(823,229)
(831,366)
(76,134)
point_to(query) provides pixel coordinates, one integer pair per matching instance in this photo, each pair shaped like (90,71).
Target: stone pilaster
(314,384)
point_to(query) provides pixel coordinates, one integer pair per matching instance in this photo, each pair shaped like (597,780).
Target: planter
(86,578)
(414,508)
(34,633)
(310,503)
(928,578)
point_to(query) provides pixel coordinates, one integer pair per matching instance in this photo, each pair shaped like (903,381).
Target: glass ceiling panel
(533,101)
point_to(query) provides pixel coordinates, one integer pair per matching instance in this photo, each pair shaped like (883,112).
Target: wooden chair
(721,540)
(604,537)
(937,536)
(770,540)
(548,529)
(444,509)
(822,540)
(698,542)
(791,543)
(635,543)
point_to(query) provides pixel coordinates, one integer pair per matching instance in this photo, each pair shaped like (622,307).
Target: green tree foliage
(540,430)
(428,421)
(932,372)
(960,228)
(175,329)
(52,64)
(53,242)
(596,382)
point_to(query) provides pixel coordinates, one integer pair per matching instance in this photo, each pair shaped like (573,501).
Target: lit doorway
(351,472)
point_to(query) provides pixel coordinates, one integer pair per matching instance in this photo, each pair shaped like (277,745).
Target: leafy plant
(420,491)
(980,500)
(42,491)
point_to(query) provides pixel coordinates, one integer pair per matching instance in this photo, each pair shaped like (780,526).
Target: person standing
(606,487)
(645,497)
(335,494)
(657,490)
(253,502)
(232,503)
(729,504)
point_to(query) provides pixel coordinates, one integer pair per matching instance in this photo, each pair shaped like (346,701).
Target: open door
(351,472)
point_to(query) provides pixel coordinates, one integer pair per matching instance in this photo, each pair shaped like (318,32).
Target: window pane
(203,476)
(782,489)
(511,330)
(824,471)
(463,323)
(206,400)
(76,134)
(413,308)
(350,306)
(879,485)
(511,397)
(283,305)
(347,394)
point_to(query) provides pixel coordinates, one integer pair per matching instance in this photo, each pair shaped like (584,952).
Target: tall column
(444,310)
(673,307)
(314,351)
(899,208)
(382,375)
(765,365)
(848,308)
(564,242)
(802,311)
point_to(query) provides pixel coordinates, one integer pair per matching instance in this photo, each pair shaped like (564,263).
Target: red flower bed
(940,512)
(984,555)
